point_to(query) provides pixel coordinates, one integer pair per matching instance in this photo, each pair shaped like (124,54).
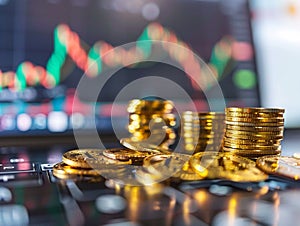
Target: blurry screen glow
(276,28)
(42,58)
(24,122)
(57,121)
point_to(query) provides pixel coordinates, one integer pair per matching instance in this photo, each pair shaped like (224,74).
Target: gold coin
(143,118)
(80,157)
(255,128)
(253,115)
(149,125)
(259,142)
(251,133)
(251,151)
(252,146)
(256,134)
(188,174)
(80,171)
(226,166)
(255,155)
(252,137)
(59,172)
(164,165)
(280,165)
(189,115)
(64,171)
(141,106)
(254,110)
(255,120)
(143,146)
(127,154)
(255,124)
(136,116)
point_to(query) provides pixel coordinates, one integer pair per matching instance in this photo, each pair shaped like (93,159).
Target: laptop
(68,70)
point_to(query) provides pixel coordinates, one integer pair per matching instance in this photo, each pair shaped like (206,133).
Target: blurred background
(46,47)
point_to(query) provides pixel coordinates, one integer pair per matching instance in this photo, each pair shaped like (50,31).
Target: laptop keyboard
(31,195)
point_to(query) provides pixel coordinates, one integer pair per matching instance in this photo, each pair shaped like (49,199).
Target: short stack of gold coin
(91,163)
(202,131)
(74,165)
(253,132)
(152,117)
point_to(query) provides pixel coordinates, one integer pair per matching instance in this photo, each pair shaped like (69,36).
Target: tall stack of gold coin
(253,132)
(202,131)
(152,118)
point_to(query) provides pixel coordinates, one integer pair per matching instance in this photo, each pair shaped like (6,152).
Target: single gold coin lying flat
(254,114)
(251,142)
(255,124)
(252,136)
(256,133)
(252,146)
(255,110)
(125,154)
(252,151)
(255,120)
(81,157)
(255,128)
(64,171)
(280,165)
(226,166)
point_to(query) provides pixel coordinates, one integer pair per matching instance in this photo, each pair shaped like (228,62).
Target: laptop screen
(277,40)
(46,47)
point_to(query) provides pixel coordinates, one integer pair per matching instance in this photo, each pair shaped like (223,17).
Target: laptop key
(14,214)
(26,179)
(7,168)
(5,194)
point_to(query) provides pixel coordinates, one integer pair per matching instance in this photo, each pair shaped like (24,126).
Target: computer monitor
(40,68)
(277,41)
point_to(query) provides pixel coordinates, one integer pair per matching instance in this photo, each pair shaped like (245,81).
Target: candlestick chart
(67,43)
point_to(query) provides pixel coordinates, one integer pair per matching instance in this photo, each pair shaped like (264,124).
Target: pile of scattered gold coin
(241,133)
(152,120)
(202,131)
(151,167)
(253,132)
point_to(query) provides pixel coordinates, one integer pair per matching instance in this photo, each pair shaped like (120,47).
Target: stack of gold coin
(75,165)
(253,132)
(202,131)
(152,118)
